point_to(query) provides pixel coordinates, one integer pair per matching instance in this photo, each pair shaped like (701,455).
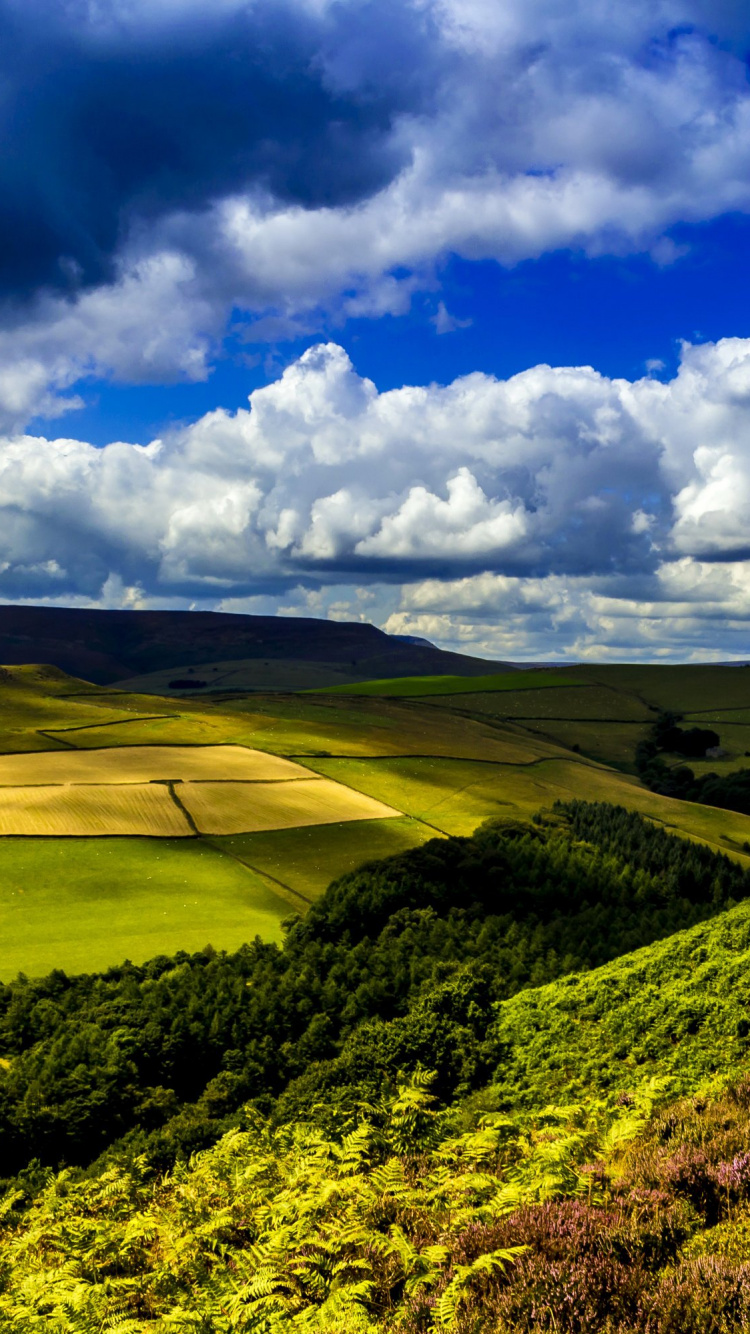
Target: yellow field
(136,808)
(140,790)
(141,764)
(236,808)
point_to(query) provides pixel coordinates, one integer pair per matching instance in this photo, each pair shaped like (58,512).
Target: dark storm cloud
(107,122)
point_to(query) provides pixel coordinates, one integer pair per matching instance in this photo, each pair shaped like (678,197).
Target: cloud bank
(557,511)
(312,160)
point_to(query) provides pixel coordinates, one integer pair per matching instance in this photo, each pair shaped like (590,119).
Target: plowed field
(143,764)
(235,808)
(136,808)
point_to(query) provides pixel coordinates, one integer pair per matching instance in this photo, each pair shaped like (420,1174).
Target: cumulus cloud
(558,506)
(312,157)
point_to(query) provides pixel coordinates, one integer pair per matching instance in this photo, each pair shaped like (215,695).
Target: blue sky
(619,315)
(279,284)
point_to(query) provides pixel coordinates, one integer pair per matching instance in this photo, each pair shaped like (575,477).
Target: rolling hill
(107,852)
(198,973)
(272,651)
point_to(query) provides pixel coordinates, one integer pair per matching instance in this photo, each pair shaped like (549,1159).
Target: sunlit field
(270,797)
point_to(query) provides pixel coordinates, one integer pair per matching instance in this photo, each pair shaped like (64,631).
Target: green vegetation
(577,1221)
(564,974)
(306,860)
(399,963)
(685,689)
(539,1178)
(79,903)
(401,687)
(448,762)
(729,791)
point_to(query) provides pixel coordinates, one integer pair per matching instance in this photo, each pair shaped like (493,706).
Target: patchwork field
(169,792)
(236,808)
(144,764)
(233,811)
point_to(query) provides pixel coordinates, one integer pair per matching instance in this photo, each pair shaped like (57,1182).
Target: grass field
(307,859)
(95,761)
(84,904)
(588,702)
(609,743)
(419,686)
(683,689)
(453,797)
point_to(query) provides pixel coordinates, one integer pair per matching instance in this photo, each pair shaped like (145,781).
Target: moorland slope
(107,646)
(339,1115)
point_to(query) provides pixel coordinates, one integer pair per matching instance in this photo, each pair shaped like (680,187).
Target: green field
(454,796)
(308,859)
(446,752)
(82,904)
(589,702)
(418,686)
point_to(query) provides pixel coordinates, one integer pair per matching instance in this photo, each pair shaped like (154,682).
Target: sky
(433,313)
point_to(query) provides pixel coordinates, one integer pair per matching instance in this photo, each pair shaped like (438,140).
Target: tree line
(730,792)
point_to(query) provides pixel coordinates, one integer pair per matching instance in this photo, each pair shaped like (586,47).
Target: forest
(400,964)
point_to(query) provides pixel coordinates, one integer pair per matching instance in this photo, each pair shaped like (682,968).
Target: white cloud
(554,508)
(465,523)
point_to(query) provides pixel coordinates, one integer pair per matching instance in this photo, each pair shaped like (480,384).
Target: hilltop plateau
(241,652)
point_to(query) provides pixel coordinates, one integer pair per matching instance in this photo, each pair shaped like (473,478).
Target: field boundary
(256,870)
(170,785)
(115,722)
(566,757)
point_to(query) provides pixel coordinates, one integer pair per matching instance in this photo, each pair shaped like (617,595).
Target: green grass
(595,703)
(729,717)
(454,796)
(606,742)
(669,1011)
(306,860)
(82,904)
(405,687)
(684,689)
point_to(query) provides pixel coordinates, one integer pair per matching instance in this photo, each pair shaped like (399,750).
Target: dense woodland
(399,964)
(623,1210)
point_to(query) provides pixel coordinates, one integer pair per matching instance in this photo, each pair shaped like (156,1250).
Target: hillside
(108,646)
(401,963)
(569,1192)
(133,825)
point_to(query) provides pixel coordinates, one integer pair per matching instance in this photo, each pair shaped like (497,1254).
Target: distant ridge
(112,646)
